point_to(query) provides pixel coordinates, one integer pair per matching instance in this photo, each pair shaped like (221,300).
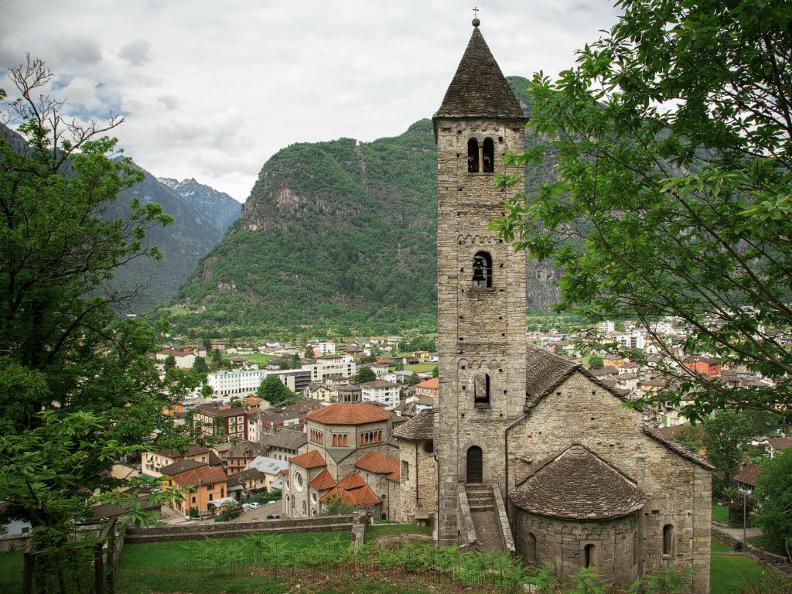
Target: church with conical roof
(535,455)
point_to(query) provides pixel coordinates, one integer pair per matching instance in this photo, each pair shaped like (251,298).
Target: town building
(534,453)
(429,388)
(282,444)
(380,392)
(151,463)
(222,422)
(200,487)
(341,364)
(701,364)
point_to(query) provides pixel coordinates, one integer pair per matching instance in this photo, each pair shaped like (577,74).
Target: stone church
(533,453)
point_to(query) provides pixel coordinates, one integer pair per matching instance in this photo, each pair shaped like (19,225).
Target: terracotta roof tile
(577,484)
(308,460)
(322,481)
(748,474)
(351,481)
(433,383)
(180,466)
(357,413)
(378,463)
(200,476)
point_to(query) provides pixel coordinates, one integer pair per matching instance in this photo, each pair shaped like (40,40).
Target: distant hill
(216,205)
(335,235)
(183,243)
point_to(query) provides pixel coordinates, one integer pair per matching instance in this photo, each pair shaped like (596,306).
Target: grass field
(196,566)
(10,572)
(720,513)
(719,547)
(420,367)
(261,359)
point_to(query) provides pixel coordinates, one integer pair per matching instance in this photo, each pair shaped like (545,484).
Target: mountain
(336,236)
(216,205)
(183,243)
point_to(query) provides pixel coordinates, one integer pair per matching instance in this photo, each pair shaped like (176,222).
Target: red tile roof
(379,464)
(204,475)
(748,474)
(432,383)
(352,490)
(322,481)
(357,413)
(308,460)
(351,481)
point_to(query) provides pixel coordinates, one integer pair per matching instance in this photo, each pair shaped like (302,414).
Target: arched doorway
(475,472)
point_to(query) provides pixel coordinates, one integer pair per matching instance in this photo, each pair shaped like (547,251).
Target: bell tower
(480,281)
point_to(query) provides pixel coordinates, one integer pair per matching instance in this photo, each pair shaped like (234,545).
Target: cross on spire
(476,21)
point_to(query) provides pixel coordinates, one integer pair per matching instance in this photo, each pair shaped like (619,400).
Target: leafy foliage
(673,137)
(774,496)
(78,390)
(275,391)
(364,374)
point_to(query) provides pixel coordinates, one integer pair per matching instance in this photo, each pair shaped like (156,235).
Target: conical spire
(479,88)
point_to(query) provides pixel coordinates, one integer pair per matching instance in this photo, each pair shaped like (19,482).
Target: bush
(229,512)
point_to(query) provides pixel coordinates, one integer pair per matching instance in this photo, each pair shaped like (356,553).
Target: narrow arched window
(481,388)
(668,539)
(530,548)
(473,156)
(482,270)
(489,156)
(588,555)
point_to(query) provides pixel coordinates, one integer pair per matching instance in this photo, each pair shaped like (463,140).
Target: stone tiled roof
(421,426)
(479,88)
(677,448)
(308,460)
(286,439)
(181,466)
(357,413)
(190,450)
(578,485)
(544,371)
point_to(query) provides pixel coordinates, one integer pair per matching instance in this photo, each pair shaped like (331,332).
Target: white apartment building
(381,392)
(241,382)
(606,327)
(341,364)
(633,340)
(324,348)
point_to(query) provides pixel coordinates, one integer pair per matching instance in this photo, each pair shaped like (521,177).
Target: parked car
(253,504)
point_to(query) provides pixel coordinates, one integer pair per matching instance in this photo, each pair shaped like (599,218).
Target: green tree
(435,371)
(309,352)
(199,365)
(363,375)
(774,496)
(206,390)
(170,362)
(275,391)
(207,343)
(673,134)
(413,379)
(336,507)
(596,362)
(78,389)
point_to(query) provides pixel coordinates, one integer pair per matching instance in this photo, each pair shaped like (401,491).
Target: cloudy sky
(212,89)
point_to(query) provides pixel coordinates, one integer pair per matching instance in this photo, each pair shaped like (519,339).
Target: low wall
(230,530)
(13,542)
(777,561)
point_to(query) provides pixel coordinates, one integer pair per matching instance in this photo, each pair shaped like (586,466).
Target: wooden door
(474,465)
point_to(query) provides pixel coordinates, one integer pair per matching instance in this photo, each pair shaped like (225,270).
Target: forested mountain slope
(336,235)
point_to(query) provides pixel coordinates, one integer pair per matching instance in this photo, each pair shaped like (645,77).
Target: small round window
(428,446)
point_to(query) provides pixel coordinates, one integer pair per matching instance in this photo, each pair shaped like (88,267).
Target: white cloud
(211,90)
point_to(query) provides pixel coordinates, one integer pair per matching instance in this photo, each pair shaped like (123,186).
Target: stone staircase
(485,517)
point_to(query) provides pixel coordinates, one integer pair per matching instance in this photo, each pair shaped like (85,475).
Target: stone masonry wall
(418,488)
(678,491)
(480,329)
(562,544)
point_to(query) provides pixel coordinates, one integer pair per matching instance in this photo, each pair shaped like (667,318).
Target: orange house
(706,366)
(199,487)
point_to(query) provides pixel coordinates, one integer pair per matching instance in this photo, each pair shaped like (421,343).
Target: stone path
(488,531)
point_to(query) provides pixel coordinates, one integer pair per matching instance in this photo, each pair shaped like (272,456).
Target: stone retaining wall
(777,561)
(230,530)
(13,542)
